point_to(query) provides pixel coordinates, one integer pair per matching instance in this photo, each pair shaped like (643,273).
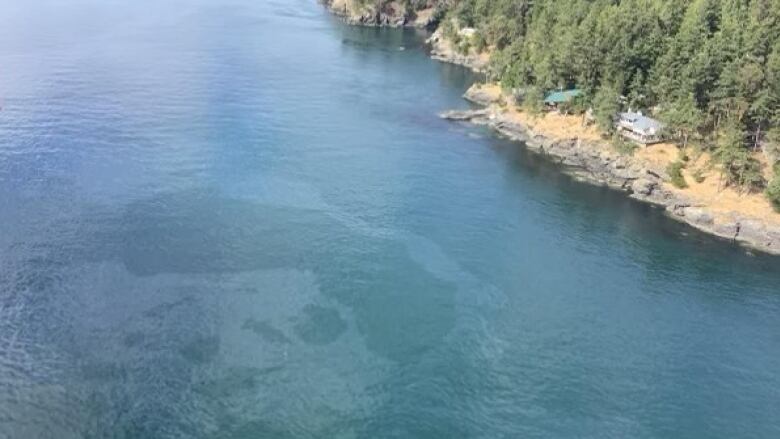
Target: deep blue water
(242,219)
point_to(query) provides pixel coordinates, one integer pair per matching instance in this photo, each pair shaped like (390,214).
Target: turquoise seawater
(243,219)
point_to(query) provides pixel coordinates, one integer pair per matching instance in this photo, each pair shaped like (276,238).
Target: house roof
(560,97)
(642,123)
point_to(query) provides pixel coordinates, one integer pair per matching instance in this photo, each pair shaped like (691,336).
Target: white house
(640,128)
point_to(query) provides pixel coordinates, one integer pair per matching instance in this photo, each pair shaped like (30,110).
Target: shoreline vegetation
(643,173)
(718,170)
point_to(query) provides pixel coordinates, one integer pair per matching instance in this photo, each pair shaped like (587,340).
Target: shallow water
(242,219)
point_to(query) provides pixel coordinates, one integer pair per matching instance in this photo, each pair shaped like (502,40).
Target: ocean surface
(243,219)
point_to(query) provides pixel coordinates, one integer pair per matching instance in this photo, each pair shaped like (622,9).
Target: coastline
(443,51)
(391,14)
(593,160)
(588,157)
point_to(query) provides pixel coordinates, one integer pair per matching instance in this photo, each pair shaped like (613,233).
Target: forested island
(708,69)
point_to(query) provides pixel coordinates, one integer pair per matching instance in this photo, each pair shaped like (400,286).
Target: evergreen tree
(683,118)
(711,66)
(605,108)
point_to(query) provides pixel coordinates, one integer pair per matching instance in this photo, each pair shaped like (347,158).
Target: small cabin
(640,128)
(555,100)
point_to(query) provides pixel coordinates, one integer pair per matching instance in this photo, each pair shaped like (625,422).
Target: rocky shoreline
(598,163)
(395,14)
(390,14)
(442,50)
(593,162)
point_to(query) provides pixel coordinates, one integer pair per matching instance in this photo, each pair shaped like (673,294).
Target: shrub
(675,174)
(773,192)
(450,32)
(534,101)
(480,44)
(622,146)
(698,176)
(464,47)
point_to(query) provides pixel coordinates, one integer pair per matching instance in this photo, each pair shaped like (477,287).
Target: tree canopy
(709,68)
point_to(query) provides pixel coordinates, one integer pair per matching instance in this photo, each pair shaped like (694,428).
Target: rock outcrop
(397,14)
(391,14)
(598,163)
(444,51)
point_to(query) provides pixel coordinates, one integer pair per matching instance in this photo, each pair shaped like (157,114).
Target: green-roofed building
(556,98)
